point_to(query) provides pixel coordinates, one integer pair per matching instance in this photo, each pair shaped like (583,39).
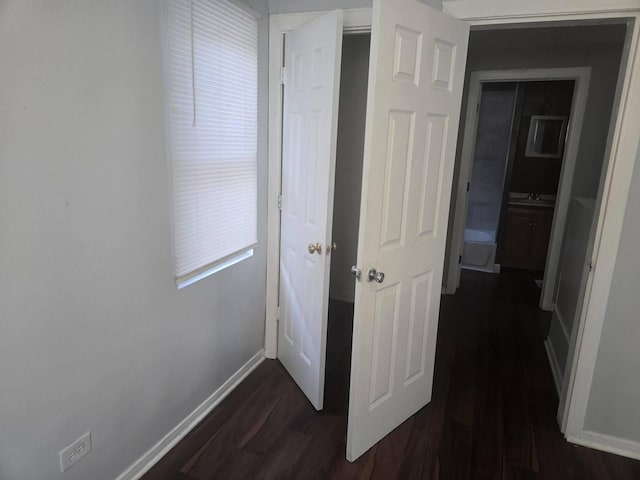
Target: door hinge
(468,186)
(278,313)
(590,265)
(459,259)
(283,76)
(279,202)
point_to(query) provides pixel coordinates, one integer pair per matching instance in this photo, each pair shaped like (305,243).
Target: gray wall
(614,401)
(349,156)
(93,333)
(512,51)
(287,6)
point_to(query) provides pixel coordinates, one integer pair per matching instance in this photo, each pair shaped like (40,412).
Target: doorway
(346,218)
(412,116)
(590,58)
(349,154)
(535,247)
(509,195)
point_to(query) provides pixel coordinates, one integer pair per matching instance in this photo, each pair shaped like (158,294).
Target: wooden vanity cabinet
(526,237)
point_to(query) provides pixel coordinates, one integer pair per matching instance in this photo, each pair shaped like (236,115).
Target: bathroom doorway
(515,174)
(521,200)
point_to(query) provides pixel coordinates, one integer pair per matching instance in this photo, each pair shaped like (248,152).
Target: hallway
(492,415)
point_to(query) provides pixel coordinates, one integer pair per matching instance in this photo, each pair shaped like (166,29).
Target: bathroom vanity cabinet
(526,237)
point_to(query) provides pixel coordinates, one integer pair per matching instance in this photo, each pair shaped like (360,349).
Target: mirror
(546,136)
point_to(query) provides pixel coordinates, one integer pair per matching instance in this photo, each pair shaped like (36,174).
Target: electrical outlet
(75,451)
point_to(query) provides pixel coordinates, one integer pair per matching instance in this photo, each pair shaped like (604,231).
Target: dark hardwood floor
(492,415)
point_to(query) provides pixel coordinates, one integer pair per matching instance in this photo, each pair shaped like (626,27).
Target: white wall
(93,333)
(289,6)
(614,401)
(349,157)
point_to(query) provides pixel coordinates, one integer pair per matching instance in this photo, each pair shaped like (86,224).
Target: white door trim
(581,76)
(495,12)
(355,20)
(621,160)
(622,154)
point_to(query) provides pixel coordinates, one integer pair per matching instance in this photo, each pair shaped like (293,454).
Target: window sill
(199,275)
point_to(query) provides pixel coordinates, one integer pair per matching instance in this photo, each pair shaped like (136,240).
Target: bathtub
(479,251)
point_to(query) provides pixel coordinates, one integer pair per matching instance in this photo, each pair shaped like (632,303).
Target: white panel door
(310,121)
(416,75)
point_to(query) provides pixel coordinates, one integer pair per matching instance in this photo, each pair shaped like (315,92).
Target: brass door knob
(315,248)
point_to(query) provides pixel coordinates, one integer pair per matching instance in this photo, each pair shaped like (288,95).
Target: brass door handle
(315,248)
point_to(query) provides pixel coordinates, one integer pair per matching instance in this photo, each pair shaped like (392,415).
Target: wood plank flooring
(492,415)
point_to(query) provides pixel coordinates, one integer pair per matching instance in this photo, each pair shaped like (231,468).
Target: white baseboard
(160,449)
(556,371)
(607,443)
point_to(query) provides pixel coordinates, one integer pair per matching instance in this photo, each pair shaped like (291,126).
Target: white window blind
(212,102)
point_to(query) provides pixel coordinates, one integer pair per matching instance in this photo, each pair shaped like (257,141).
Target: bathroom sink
(526,200)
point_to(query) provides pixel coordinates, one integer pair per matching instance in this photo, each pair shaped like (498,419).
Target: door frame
(621,154)
(581,76)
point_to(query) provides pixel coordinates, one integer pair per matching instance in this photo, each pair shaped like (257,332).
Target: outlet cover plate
(75,451)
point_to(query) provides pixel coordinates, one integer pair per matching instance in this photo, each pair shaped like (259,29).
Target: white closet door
(310,120)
